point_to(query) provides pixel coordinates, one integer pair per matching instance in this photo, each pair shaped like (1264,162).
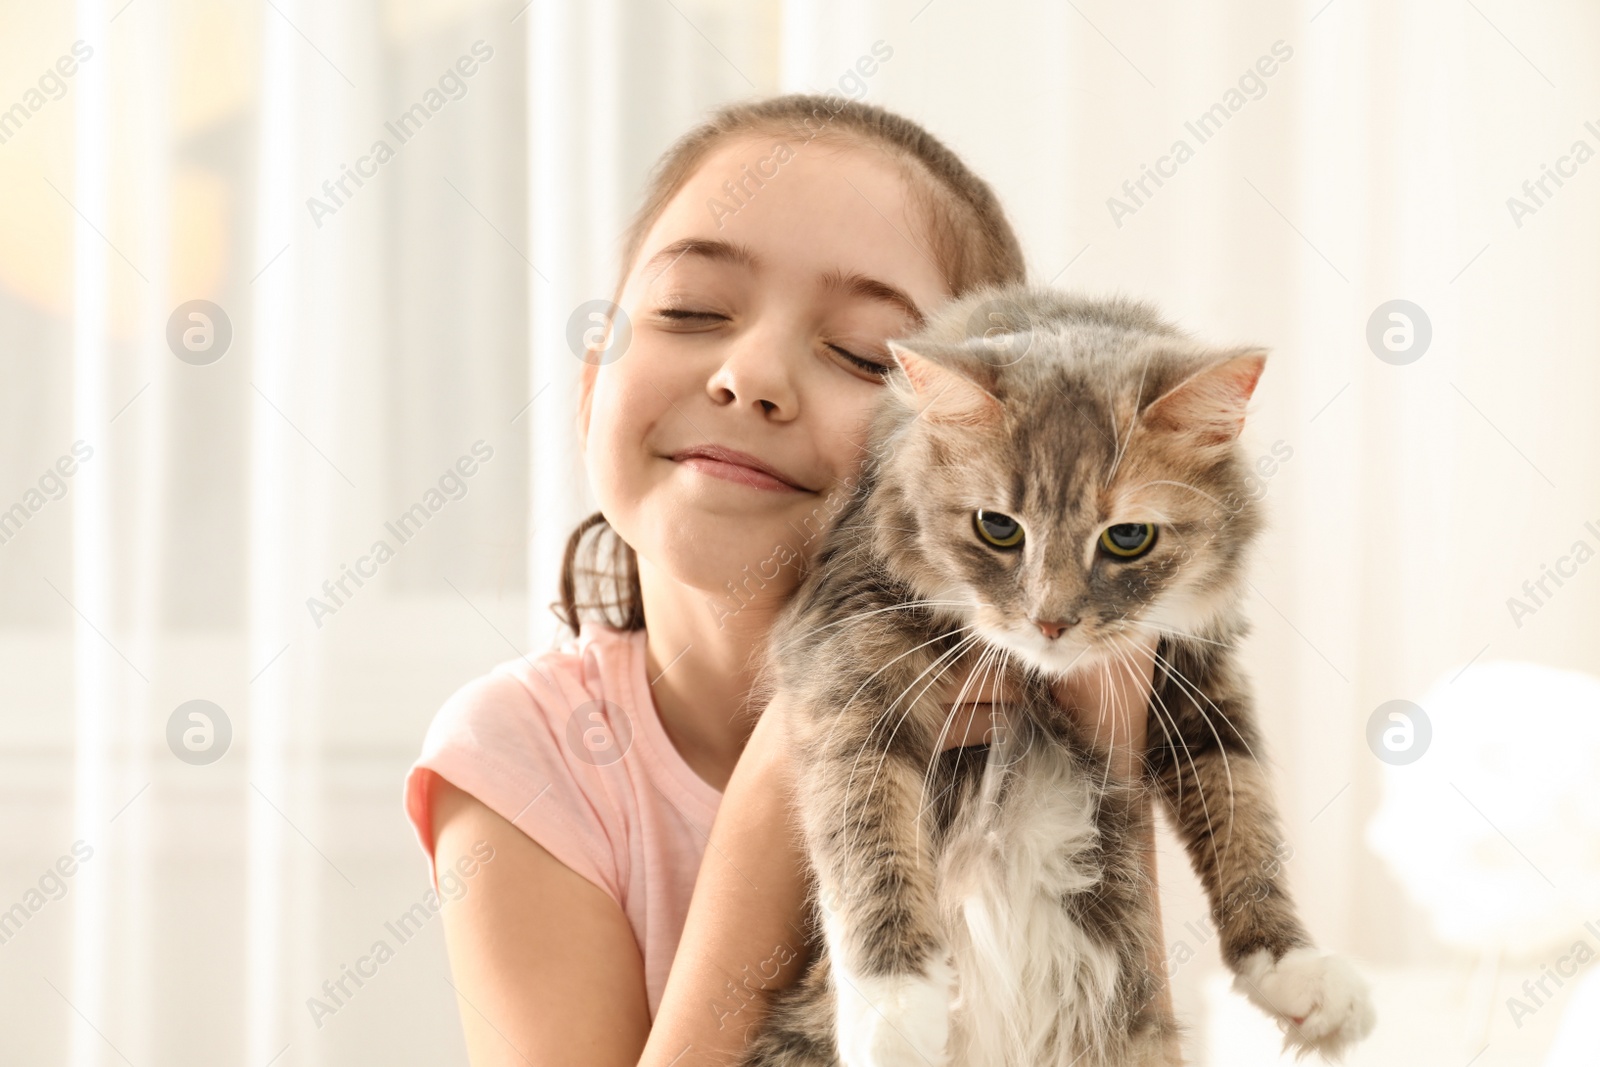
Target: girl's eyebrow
(872,289)
(725,251)
(852,284)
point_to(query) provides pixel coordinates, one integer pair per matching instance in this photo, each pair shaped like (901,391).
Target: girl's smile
(738,467)
(758,355)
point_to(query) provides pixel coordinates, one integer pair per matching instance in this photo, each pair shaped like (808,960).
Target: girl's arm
(544,963)
(546,967)
(743,937)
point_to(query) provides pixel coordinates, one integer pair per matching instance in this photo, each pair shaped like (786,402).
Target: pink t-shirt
(569,748)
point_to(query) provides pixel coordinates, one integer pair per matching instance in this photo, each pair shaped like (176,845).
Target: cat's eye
(1128,540)
(1001,531)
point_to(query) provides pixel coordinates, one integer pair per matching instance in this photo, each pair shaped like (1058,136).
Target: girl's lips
(733,472)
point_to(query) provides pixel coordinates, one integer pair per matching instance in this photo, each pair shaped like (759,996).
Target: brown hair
(971,239)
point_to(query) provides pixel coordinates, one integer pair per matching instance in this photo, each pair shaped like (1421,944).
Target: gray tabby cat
(1049,476)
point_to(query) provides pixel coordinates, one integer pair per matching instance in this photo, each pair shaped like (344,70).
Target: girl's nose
(758,371)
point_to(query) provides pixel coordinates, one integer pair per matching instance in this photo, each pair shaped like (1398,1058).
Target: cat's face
(1085,492)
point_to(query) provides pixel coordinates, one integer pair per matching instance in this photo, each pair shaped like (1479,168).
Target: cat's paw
(894,1021)
(1320,1000)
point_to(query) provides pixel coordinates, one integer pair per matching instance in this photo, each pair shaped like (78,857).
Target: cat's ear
(941,394)
(1208,406)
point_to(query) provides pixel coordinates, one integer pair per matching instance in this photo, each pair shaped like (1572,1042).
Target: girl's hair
(971,240)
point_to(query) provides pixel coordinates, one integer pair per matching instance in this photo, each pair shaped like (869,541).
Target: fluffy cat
(1048,476)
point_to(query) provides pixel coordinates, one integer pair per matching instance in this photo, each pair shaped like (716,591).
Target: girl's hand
(1111,702)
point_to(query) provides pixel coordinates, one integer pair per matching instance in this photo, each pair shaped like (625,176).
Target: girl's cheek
(852,432)
(619,394)
(613,434)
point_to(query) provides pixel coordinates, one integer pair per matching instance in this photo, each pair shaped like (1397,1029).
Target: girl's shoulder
(539,739)
(597,667)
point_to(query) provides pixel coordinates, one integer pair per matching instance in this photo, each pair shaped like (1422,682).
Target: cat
(1048,476)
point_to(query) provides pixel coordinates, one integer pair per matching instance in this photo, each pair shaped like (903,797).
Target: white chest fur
(1032,987)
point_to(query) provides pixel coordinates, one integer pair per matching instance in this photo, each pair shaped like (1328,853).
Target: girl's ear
(940,393)
(1208,406)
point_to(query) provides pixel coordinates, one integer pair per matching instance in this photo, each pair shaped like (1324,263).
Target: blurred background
(224,372)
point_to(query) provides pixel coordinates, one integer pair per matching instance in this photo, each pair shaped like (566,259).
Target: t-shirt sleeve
(507,747)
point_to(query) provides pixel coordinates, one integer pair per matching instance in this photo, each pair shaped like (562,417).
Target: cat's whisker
(1144,369)
(938,743)
(955,650)
(1111,746)
(867,527)
(909,605)
(1182,634)
(1199,786)
(1189,686)
(880,719)
(1119,442)
(1124,439)
(1127,665)
(852,698)
(1157,713)
(1180,485)
(1227,766)
(960,698)
(985,659)
(955,654)
(910,707)
(996,667)
(1160,515)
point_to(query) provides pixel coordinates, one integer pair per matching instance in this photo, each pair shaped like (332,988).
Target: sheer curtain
(375,323)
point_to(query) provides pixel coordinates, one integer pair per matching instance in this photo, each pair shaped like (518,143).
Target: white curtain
(204,547)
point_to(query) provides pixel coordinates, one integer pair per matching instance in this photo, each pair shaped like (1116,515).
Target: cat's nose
(1053,630)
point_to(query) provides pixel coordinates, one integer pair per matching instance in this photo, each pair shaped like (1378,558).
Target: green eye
(1126,540)
(1001,531)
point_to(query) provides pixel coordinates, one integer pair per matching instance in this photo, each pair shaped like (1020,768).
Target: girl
(570,799)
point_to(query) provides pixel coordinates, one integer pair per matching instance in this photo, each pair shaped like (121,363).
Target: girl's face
(758,326)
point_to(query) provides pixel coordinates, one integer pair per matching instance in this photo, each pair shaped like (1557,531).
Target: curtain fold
(368,317)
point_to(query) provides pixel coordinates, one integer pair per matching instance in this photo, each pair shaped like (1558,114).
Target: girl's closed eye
(873,367)
(682,315)
(686,314)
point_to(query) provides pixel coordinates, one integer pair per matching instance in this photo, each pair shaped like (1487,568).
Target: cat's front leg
(1319,998)
(890,1020)
(1204,760)
(893,983)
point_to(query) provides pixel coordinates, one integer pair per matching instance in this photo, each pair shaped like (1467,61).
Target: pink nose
(1053,630)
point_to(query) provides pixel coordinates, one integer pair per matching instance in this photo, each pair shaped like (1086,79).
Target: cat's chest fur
(1020,854)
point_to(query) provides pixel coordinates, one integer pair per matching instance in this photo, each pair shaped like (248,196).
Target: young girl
(569,800)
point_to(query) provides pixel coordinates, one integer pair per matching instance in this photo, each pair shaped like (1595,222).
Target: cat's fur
(988,906)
